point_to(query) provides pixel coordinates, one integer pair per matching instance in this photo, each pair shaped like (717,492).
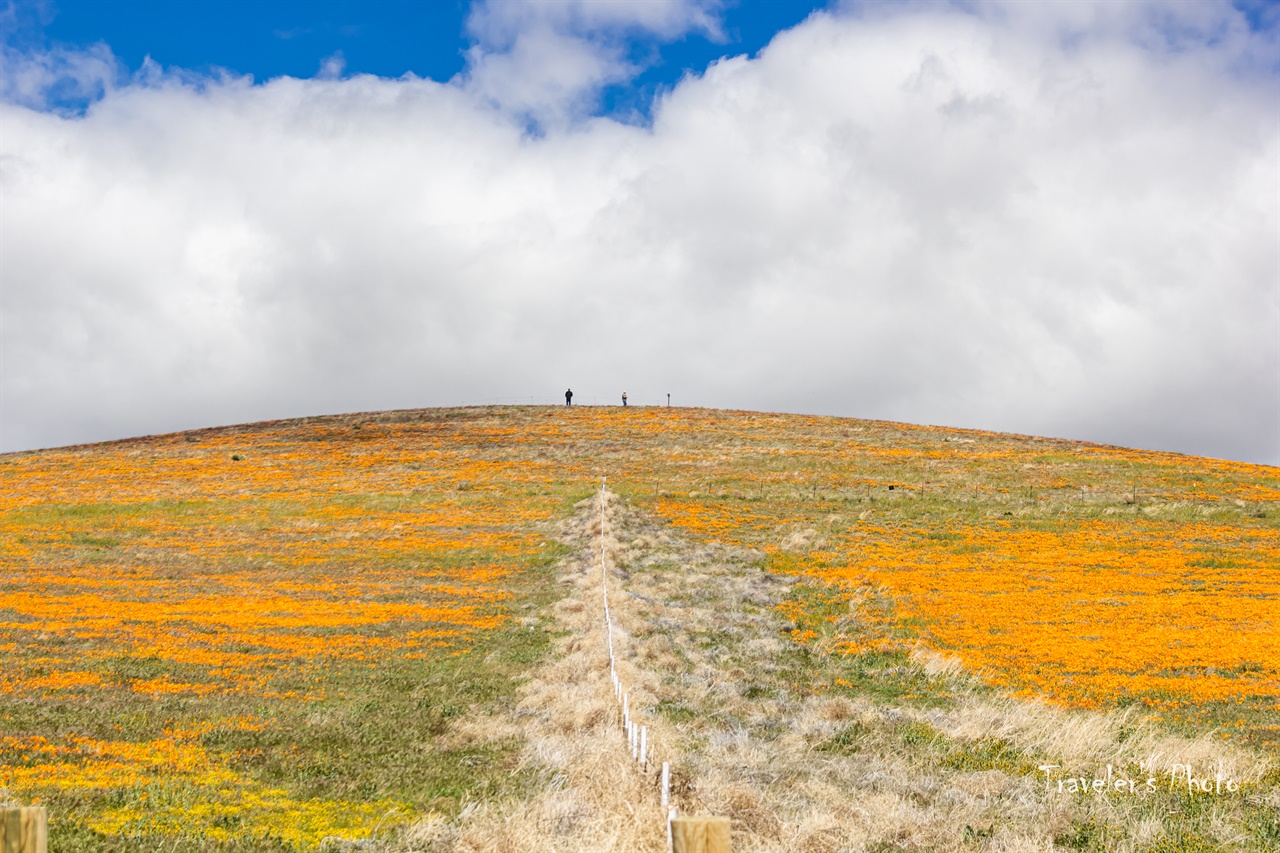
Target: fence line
(637,735)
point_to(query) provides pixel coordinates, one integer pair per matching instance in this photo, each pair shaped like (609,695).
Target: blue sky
(388,38)
(1050,218)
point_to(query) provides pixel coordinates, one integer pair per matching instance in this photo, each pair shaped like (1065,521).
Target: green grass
(379,739)
(383,730)
(373,731)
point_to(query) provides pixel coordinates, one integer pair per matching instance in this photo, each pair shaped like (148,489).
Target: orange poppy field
(261,637)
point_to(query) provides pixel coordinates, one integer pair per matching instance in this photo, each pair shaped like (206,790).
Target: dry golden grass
(778,584)
(702,649)
(592,796)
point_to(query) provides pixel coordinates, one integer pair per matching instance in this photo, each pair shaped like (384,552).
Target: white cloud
(61,74)
(1062,223)
(332,66)
(547,61)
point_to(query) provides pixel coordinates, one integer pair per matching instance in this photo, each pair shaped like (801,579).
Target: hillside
(846,635)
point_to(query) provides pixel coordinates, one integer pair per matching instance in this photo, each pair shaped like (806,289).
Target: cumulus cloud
(1056,219)
(44,79)
(547,61)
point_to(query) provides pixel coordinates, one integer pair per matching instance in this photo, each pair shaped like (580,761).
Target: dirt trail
(587,794)
(711,671)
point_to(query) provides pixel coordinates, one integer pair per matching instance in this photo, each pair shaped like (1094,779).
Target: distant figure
(624,399)
(568,397)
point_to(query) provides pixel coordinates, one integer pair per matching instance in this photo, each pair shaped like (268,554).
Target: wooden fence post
(700,835)
(24,829)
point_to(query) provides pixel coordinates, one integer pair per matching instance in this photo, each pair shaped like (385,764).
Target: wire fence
(637,734)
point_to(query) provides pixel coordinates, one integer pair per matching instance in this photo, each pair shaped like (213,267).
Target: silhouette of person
(624,399)
(568,397)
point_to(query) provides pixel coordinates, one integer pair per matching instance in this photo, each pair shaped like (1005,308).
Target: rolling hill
(382,631)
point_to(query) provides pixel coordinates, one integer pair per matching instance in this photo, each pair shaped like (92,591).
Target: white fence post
(637,735)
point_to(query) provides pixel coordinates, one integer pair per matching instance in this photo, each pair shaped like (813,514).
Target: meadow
(262,637)
(255,639)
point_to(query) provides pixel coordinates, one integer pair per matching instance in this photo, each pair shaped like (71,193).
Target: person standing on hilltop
(624,399)
(568,397)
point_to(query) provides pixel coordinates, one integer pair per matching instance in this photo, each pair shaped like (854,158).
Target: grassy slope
(259,652)
(140,521)
(811,746)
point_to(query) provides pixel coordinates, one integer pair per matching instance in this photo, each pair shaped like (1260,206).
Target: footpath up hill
(846,634)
